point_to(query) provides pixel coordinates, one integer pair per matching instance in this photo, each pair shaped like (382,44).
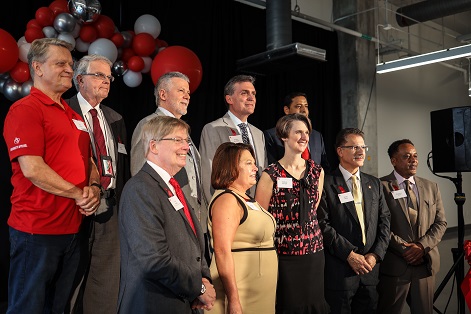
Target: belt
(254,249)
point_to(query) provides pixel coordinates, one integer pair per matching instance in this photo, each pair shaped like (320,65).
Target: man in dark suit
(418,223)
(98,276)
(355,221)
(296,103)
(163,267)
(240,98)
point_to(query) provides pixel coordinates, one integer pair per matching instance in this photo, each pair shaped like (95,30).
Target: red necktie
(305,155)
(100,148)
(180,196)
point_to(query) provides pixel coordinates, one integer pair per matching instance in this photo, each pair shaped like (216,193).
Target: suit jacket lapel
(340,182)
(367,196)
(231,127)
(113,129)
(422,206)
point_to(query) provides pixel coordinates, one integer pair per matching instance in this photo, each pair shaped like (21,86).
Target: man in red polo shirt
(55,183)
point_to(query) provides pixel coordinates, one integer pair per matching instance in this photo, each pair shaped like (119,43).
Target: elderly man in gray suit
(172,95)
(240,98)
(407,273)
(162,264)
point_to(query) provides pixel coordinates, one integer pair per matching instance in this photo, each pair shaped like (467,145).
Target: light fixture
(423,59)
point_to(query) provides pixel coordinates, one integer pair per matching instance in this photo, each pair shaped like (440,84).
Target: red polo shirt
(36,125)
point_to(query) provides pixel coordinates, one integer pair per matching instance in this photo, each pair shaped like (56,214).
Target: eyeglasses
(101,76)
(356,148)
(177,140)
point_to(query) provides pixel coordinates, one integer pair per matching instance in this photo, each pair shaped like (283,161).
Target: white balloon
(81,46)
(50,32)
(22,41)
(132,79)
(68,38)
(147,24)
(24,49)
(104,47)
(147,64)
(76,31)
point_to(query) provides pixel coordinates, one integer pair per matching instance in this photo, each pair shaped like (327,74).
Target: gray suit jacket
(431,221)
(186,177)
(162,260)
(218,132)
(342,232)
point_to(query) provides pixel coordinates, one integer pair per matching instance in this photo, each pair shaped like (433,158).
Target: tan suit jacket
(431,225)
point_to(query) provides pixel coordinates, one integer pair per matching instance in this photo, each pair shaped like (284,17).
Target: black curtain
(219,32)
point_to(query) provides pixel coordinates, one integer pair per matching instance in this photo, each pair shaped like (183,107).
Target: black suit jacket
(276,149)
(118,130)
(342,232)
(162,260)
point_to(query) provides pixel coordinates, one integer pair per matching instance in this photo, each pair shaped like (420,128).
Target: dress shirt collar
(234,119)
(400,179)
(347,175)
(85,105)
(163,174)
(166,112)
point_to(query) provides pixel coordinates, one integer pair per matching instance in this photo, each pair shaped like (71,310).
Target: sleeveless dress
(255,260)
(298,240)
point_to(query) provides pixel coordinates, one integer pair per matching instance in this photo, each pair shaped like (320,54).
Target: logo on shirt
(16,140)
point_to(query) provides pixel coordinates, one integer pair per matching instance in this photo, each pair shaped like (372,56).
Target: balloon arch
(80,22)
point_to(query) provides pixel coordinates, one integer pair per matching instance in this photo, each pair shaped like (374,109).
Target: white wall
(404,101)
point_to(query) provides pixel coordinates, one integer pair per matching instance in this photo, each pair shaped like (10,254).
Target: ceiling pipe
(278,23)
(430,10)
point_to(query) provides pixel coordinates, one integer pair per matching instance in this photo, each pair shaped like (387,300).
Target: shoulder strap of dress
(238,198)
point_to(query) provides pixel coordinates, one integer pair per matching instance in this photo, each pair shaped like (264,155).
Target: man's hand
(358,263)
(371,258)
(207,299)
(414,254)
(89,201)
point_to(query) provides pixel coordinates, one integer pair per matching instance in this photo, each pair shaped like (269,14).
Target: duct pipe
(278,23)
(430,10)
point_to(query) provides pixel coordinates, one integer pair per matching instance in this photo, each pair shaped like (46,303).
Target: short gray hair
(83,65)
(39,49)
(159,127)
(230,85)
(164,83)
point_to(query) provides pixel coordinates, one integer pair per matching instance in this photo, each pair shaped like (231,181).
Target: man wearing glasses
(355,222)
(417,226)
(97,281)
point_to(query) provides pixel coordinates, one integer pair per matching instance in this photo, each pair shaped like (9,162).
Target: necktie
(244,133)
(100,148)
(305,155)
(180,196)
(357,198)
(411,197)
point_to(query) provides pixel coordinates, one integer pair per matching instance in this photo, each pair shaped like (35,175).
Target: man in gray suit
(98,274)
(172,96)
(240,98)
(407,273)
(162,264)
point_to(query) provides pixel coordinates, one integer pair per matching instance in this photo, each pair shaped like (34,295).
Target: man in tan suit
(407,273)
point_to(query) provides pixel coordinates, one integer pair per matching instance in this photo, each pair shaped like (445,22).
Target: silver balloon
(64,23)
(5,76)
(11,90)
(49,32)
(86,11)
(26,88)
(127,39)
(120,68)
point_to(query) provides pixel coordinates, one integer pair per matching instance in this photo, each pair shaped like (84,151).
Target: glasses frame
(101,76)
(355,148)
(177,140)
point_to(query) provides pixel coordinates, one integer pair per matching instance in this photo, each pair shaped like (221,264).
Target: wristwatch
(203,289)
(98,185)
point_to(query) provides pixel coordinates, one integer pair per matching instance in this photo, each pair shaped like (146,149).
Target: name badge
(236,139)
(177,205)
(345,197)
(252,205)
(122,149)
(284,183)
(80,125)
(399,194)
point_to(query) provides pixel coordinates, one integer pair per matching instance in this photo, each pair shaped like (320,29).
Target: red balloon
(33,33)
(20,72)
(127,54)
(88,33)
(33,24)
(59,6)
(136,64)
(161,43)
(181,59)
(143,44)
(104,26)
(8,51)
(44,16)
(117,39)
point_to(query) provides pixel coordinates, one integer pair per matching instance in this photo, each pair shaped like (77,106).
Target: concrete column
(357,73)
